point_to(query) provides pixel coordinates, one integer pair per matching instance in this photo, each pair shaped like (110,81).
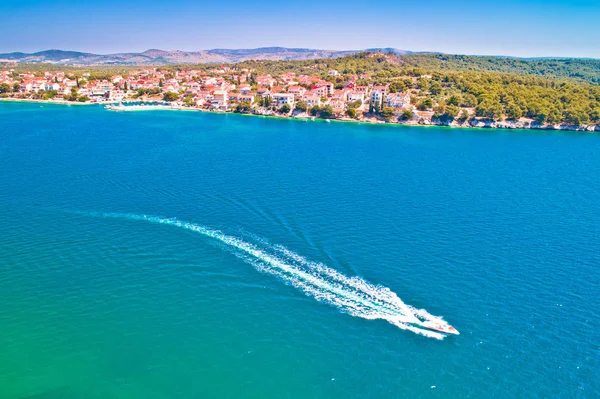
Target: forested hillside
(582,69)
(548,91)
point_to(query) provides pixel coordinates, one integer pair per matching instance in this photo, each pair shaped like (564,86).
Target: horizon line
(365,50)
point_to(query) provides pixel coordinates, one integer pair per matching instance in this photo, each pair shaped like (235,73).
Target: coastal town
(223,89)
(329,95)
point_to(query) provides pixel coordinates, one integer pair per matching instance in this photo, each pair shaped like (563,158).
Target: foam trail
(351,295)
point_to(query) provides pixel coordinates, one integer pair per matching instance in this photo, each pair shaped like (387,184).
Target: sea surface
(190,255)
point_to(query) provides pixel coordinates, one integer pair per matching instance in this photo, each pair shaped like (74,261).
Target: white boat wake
(351,295)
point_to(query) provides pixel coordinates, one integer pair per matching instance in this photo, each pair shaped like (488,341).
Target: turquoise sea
(191,255)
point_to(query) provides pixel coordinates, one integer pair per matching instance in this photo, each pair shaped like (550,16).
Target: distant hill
(574,68)
(159,57)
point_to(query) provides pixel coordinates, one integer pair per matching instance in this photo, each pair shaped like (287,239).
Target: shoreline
(481,125)
(373,121)
(58,102)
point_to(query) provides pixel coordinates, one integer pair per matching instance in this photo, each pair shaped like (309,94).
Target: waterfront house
(312,100)
(220,96)
(64,90)
(377,98)
(280,99)
(116,95)
(249,98)
(397,100)
(26,86)
(338,106)
(104,86)
(48,86)
(37,86)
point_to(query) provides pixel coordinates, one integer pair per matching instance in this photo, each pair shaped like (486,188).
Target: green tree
(469,100)
(553,116)
(451,111)
(326,112)
(398,86)
(170,96)
(5,88)
(454,100)
(576,116)
(244,106)
(435,88)
(285,109)
(406,115)
(16,87)
(266,101)
(595,115)
(490,108)
(513,111)
(50,94)
(301,106)
(351,112)
(387,113)
(73,96)
(355,104)
(83,99)
(188,100)
(425,104)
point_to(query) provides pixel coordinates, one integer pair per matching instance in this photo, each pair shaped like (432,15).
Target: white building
(220,99)
(397,100)
(311,101)
(50,86)
(280,99)
(377,98)
(355,96)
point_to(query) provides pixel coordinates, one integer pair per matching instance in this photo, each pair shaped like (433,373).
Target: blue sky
(528,28)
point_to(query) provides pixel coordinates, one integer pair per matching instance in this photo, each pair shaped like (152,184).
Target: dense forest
(587,70)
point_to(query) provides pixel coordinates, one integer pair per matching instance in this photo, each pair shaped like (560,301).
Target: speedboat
(440,326)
